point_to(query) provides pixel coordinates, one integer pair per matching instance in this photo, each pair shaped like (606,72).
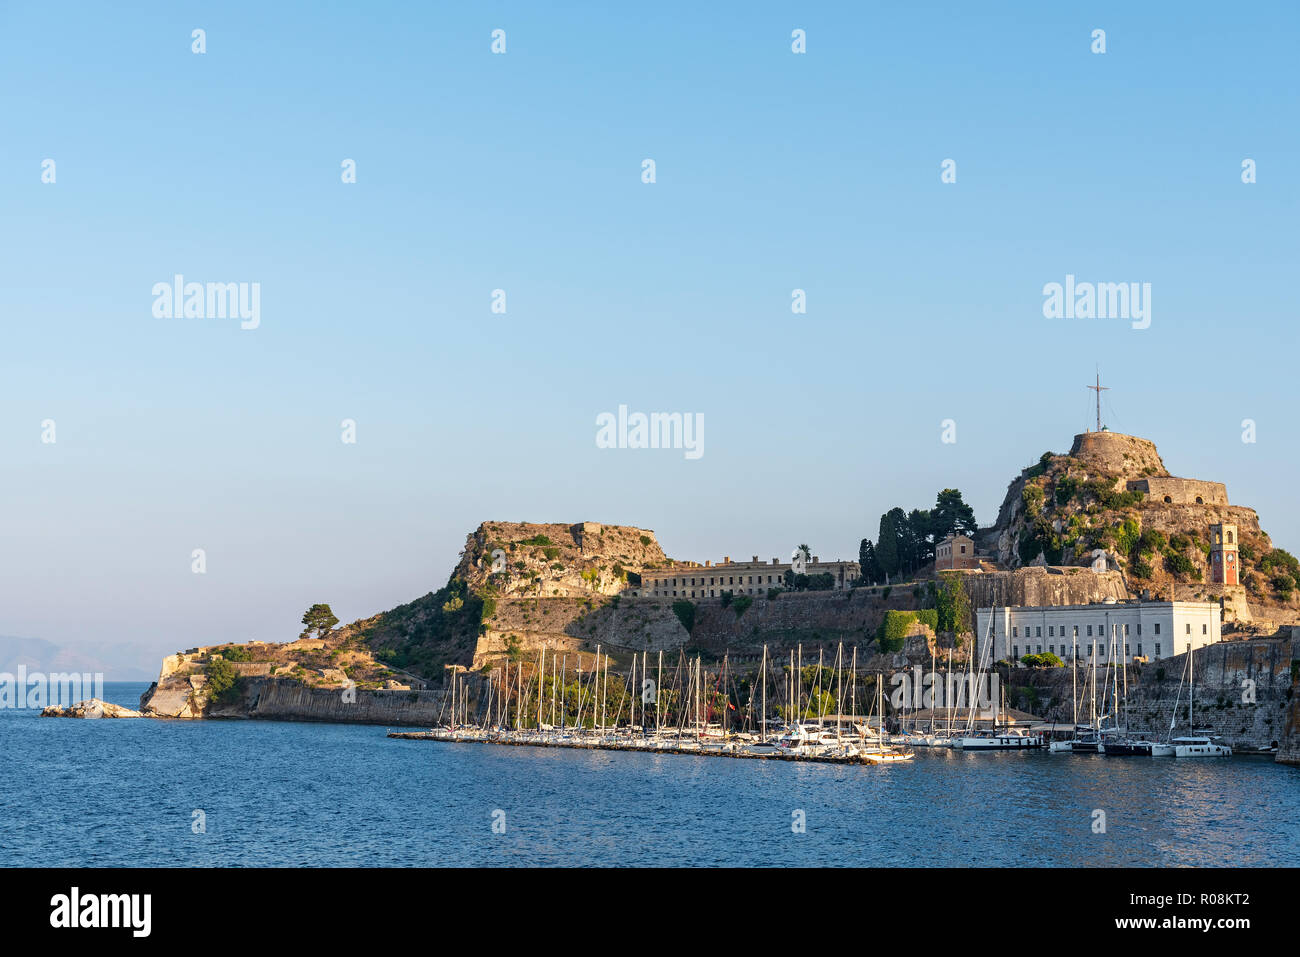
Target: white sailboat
(1199,743)
(1005,738)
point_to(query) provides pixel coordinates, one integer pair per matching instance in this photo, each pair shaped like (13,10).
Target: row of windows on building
(1079,653)
(730,580)
(1101,630)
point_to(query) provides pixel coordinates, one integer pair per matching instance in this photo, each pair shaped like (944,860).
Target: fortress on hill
(1126,454)
(521,590)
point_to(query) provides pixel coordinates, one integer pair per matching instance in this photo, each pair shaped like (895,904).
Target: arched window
(1168,500)
(1199,500)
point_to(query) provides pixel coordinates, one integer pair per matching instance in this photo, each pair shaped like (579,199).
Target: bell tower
(1225,568)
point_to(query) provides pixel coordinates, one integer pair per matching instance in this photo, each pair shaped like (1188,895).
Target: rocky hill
(1112,492)
(555,561)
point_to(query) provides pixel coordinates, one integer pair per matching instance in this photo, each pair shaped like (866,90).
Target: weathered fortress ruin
(571,588)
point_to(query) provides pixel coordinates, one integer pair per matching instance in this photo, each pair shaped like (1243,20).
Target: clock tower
(1225,567)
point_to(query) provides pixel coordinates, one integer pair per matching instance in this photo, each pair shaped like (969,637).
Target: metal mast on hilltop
(1099,389)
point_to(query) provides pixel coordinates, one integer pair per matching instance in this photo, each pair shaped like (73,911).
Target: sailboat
(881,753)
(1067,747)
(1199,743)
(1005,738)
(1129,745)
(763,747)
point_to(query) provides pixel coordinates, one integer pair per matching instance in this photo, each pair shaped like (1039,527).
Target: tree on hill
(918,542)
(318,618)
(221,680)
(868,562)
(951,515)
(906,540)
(888,541)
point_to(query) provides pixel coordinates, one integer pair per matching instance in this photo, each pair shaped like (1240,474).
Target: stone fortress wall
(1181,491)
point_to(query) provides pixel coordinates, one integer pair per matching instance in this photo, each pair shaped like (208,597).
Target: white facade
(1147,629)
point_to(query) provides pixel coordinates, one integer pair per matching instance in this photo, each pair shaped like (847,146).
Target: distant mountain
(116,663)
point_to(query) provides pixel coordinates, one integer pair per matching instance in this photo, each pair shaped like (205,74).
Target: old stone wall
(1181,491)
(1228,675)
(287,701)
(1125,455)
(1289,746)
(649,624)
(1044,586)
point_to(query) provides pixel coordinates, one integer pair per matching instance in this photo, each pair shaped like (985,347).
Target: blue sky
(522,172)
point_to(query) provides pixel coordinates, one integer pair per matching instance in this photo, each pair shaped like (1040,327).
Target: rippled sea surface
(124,793)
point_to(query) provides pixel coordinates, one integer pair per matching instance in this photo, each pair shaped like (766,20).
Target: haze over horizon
(475,172)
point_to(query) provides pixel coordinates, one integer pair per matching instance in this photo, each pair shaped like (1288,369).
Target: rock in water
(92,708)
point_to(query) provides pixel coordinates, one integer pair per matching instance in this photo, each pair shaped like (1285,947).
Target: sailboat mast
(789,691)
(839,686)
(764,670)
(948,691)
(853,687)
(1094,684)
(819,685)
(933,652)
(658,687)
(798,687)
(1074,680)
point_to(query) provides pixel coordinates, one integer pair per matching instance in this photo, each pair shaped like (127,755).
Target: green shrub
(1179,563)
(685,612)
(741,604)
(1066,489)
(222,680)
(893,629)
(1128,535)
(1036,470)
(1151,542)
(1045,660)
(1032,499)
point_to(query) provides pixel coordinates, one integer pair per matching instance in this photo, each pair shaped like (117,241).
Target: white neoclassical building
(1138,629)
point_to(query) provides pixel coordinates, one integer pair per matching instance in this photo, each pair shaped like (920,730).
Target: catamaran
(1200,743)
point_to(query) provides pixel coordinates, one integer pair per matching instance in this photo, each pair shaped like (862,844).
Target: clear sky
(522,171)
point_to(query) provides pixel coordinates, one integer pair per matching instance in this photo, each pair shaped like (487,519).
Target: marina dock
(662,745)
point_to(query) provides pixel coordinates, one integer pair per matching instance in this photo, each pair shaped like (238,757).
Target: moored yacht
(1199,745)
(1008,739)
